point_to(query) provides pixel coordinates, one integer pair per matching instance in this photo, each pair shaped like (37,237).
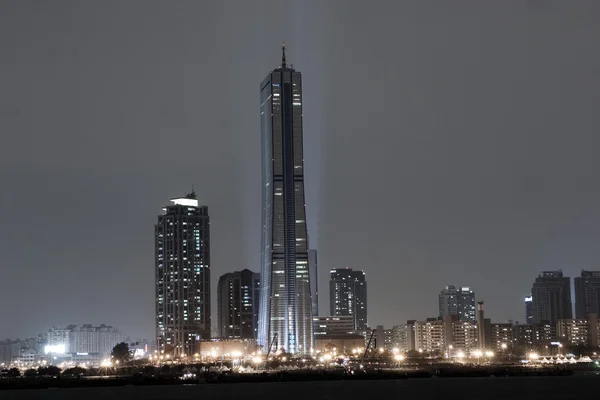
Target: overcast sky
(445,143)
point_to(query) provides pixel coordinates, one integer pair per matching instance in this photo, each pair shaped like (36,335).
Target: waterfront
(530,388)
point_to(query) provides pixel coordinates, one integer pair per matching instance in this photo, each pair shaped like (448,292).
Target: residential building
(578,332)
(430,336)
(528,310)
(501,336)
(400,337)
(383,338)
(587,294)
(463,336)
(348,296)
(82,339)
(551,298)
(94,339)
(237,303)
(457,301)
(525,335)
(286,305)
(11,349)
(182,276)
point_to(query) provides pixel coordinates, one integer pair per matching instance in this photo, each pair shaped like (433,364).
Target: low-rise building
(578,332)
(527,335)
(344,344)
(227,348)
(333,325)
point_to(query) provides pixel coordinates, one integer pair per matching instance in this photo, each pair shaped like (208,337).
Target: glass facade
(182,250)
(237,304)
(348,296)
(314,287)
(587,294)
(285,318)
(457,301)
(551,298)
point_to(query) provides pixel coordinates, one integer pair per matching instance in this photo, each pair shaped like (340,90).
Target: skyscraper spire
(283,63)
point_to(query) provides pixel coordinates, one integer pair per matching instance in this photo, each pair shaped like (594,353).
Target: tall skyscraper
(314,278)
(285,317)
(237,304)
(551,297)
(348,296)
(587,294)
(457,301)
(182,248)
(528,310)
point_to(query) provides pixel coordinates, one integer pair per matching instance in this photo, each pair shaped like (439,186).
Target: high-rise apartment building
(82,339)
(348,295)
(431,336)
(182,249)
(551,297)
(285,318)
(528,310)
(314,281)
(501,336)
(400,335)
(587,294)
(457,301)
(237,303)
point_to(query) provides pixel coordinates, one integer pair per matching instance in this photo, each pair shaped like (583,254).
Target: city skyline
(470,158)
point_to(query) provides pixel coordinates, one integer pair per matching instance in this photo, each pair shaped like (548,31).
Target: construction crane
(271,345)
(367,348)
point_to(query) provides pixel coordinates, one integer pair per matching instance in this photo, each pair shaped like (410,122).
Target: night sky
(445,143)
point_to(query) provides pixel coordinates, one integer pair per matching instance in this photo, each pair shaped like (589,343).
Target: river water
(530,388)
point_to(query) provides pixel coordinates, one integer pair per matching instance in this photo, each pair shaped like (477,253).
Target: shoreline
(212,378)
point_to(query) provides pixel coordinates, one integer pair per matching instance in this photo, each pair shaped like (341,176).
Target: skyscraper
(314,277)
(348,296)
(457,301)
(182,249)
(587,294)
(237,304)
(285,317)
(528,310)
(551,297)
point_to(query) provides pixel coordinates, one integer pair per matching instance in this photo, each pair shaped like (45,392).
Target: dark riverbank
(530,388)
(24,383)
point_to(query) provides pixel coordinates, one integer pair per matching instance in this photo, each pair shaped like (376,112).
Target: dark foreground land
(490,388)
